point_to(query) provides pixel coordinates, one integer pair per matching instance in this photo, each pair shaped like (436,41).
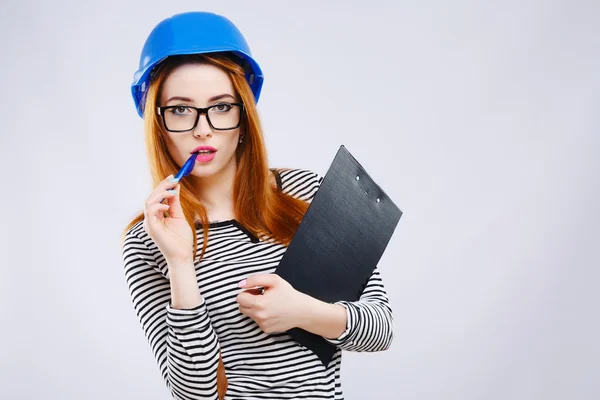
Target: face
(201,85)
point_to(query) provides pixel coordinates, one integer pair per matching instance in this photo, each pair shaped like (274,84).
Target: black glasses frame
(199,112)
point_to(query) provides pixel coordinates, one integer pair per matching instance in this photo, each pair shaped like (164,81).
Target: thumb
(246,300)
(265,280)
(175,209)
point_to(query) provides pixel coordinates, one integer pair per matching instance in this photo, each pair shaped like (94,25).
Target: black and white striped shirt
(186,343)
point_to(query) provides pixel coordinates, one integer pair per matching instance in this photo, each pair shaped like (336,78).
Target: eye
(180,110)
(222,107)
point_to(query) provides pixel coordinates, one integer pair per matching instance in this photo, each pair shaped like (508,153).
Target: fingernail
(173,180)
(172,191)
(242,283)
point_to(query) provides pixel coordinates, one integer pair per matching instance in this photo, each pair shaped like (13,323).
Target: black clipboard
(339,241)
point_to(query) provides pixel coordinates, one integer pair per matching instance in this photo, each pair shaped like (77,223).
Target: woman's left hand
(279,309)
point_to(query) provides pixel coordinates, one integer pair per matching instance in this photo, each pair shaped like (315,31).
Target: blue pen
(187,169)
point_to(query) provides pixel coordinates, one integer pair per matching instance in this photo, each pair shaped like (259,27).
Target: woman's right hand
(173,234)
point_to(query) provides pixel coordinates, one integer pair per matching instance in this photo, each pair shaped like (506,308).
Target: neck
(215,192)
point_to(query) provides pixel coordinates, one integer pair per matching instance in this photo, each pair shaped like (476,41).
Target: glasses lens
(180,118)
(224,116)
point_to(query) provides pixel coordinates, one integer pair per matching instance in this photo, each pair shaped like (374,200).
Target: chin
(206,170)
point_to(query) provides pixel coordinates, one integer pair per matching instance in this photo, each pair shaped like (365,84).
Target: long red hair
(259,206)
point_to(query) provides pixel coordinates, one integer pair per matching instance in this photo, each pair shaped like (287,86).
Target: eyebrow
(214,98)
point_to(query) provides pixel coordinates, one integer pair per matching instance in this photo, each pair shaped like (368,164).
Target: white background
(479,119)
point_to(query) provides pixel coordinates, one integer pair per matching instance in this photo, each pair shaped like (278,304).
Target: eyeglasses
(220,117)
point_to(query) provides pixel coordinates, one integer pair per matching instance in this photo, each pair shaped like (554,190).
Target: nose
(203,128)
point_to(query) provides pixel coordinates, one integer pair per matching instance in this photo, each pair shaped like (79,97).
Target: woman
(193,264)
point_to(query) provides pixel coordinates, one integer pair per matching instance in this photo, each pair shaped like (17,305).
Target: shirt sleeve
(370,324)
(182,341)
(299,183)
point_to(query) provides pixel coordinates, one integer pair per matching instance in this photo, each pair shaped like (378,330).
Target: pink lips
(205,157)
(205,153)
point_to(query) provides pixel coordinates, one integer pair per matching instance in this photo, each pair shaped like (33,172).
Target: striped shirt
(186,343)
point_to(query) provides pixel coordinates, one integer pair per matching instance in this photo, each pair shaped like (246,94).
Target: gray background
(479,119)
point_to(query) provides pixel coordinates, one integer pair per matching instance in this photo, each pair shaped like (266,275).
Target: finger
(151,208)
(246,311)
(167,181)
(154,209)
(159,195)
(175,204)
(158,210)
(265,280)
(165,184)
(154,215)
(246,300)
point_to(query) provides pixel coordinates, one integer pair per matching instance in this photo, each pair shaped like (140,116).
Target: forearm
(185,293)
(323,319)
(370,327)
(370,321)
(189,371)
(191,341)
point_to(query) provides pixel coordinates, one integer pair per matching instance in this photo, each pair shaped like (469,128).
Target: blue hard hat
(193,33)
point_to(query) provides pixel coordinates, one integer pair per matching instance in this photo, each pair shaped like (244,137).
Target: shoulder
(137,241)
(139,249)
(133,237)
(296,182)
